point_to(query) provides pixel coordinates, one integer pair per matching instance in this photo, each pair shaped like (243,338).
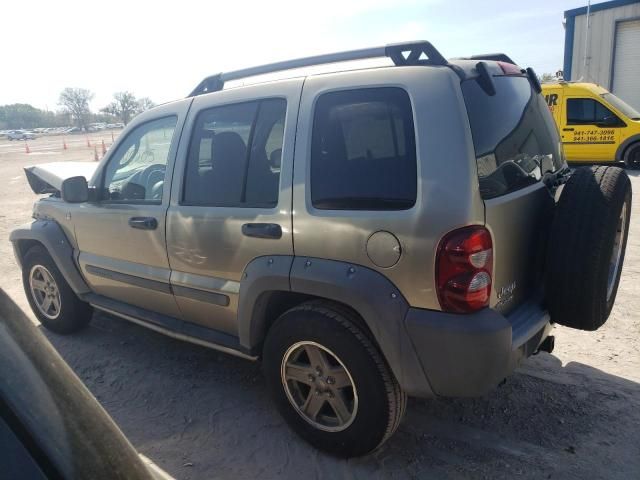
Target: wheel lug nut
(312,378)
(329,393)
(330,380)
(319,371)
(318,392)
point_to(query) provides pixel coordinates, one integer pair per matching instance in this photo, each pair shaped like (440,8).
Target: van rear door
(516,144)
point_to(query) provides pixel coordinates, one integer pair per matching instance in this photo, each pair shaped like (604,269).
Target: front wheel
(632,157)
(51,298)
(329,381)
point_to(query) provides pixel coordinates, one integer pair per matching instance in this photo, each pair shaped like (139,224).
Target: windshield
(621,105)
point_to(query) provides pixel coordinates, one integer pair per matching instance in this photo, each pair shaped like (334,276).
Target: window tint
(581,111)
(234,155)
(363,153)
(136,171)
(514,136)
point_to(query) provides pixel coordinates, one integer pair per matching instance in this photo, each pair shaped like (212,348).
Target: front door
(591,131)
(121,236)
(231,196)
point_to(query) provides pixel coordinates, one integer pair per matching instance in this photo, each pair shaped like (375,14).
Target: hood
(48,177)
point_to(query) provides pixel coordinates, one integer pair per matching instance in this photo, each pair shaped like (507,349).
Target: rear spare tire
(587,246)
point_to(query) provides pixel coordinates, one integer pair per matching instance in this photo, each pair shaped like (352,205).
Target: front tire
(51,298)
(632,157)
(329,381)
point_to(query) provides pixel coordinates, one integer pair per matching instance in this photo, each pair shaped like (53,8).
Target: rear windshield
(515,139)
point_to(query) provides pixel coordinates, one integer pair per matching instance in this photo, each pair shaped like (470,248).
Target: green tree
(548,77)
(124,105)
(75,101)
(145,103)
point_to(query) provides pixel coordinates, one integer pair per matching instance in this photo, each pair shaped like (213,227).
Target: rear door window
(234,155)
(514,135)
(363,152)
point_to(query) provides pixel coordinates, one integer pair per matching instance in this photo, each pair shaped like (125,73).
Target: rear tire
(632,157)
(51,298)
(587,246)
(353,373)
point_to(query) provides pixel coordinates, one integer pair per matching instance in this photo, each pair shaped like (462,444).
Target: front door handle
(143,223)
(262,230)
(568,129)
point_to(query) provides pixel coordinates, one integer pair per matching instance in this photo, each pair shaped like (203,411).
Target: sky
(162,49)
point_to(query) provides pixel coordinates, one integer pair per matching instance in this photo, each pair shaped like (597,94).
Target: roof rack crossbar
(408,53)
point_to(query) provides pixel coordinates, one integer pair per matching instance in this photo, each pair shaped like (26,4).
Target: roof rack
(407,53)
(499,57)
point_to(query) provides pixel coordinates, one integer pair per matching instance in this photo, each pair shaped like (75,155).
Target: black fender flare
(378,301)
(624,145)
(53,238)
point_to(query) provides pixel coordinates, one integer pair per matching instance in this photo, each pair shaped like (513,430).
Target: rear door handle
(143,223)
(568,129)
(262,230)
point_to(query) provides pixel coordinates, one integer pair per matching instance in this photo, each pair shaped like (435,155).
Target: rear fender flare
(380,304)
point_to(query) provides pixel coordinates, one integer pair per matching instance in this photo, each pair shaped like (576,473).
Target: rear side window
(514,135)
(234,155)
(363,152)
(586,111)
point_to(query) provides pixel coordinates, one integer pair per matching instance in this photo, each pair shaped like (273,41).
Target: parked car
(50,425)
(595,125)
(367,234)
(21,135)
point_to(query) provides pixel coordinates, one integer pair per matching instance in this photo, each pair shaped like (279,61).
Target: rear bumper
(468,355)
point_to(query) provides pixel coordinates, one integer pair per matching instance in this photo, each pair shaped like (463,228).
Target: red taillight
(464,267)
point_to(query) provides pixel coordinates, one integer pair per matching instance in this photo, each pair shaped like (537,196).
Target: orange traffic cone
(95,154)
(88,143)
(26,147)
(64,144)
(104,148)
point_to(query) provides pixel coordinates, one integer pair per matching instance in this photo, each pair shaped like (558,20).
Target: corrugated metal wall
(599,62)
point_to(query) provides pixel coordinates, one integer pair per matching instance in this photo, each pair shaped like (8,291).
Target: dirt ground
(200,414)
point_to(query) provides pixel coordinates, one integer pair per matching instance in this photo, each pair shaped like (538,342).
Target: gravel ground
(200,414)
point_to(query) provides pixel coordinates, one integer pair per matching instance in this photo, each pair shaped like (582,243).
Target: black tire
(335,328)
(587,219)
(632,157)
(73,314)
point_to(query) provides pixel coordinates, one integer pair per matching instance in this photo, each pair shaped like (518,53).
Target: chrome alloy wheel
(319,386)
(45,292)
(616,255)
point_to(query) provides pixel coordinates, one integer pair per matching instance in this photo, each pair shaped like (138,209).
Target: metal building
(602,45)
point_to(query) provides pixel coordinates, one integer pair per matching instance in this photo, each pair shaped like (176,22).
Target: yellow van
(595,125)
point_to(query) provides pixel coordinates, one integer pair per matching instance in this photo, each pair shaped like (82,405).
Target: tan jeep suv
(367,234)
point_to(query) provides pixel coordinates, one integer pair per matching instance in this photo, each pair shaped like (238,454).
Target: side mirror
(75,190)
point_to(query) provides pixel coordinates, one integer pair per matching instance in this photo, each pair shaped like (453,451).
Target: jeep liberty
(368,234)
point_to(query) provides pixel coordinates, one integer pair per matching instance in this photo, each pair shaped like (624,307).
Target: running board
(172,327)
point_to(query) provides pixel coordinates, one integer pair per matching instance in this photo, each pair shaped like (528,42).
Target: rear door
(516,142)
(231,196)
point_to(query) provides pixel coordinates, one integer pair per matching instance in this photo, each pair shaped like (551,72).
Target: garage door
(626,66)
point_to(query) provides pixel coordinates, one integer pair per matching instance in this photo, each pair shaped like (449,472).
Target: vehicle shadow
(201,414)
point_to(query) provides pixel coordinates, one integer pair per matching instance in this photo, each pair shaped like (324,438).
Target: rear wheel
(632,156)
(329,382)
(50,296)
(587,246)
